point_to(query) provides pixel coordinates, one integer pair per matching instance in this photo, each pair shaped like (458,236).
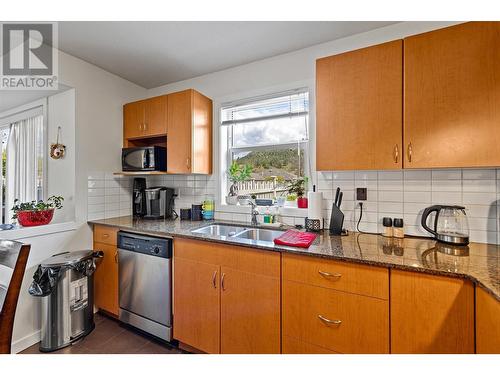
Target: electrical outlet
(361,194)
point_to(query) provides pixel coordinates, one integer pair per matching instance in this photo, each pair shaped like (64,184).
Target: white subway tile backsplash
(390,175)
(417,175)
(479,198)
(390,196)
(476,210)
(386,207)
(443,197)
(480,186)
(390,185)
(446,174)
(95,184)
(390,193)
(344,175)
(366,175)
(417,185)
(414,208)
(446,185)
(417,196)
(483,174)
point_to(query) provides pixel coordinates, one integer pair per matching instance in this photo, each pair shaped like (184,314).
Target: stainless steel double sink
(232,231)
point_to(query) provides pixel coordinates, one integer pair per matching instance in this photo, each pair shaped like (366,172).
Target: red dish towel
(295,238)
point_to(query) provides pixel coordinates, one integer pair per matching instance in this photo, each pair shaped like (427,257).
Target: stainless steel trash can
(67,312)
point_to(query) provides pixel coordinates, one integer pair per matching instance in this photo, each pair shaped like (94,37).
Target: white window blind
(284,105)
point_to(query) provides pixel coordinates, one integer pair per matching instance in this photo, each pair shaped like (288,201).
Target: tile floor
(111,337)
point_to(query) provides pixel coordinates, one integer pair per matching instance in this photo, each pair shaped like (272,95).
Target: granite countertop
(477,262)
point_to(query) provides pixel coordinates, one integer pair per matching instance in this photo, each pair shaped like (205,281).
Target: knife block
(336,221)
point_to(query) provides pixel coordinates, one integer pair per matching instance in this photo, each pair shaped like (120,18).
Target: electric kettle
(450,224)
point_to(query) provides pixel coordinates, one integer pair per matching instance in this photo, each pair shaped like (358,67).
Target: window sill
(43,230)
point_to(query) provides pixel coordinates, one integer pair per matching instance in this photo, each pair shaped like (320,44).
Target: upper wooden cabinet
(181,122)
(452,96)
(145,118)
(189,139)
(359,109)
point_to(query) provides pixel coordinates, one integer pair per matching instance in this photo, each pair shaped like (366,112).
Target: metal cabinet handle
(105,235)
(214,280)
(116,257)
(335,322)
(328,274)
(396,154)
(188,163)
(223,285)
(410,151)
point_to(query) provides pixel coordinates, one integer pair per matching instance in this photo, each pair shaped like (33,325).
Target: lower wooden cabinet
(338,321)
(250,312)
(294,346)
(237,286)
(196,304)
(487,323)
(106,274)
(431,314)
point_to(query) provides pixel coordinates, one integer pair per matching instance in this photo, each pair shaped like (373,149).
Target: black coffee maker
(139,197)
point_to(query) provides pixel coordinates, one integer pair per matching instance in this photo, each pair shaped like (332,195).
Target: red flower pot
(302,202)
(34,218)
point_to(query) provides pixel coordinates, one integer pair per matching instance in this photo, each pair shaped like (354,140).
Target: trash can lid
(67,259)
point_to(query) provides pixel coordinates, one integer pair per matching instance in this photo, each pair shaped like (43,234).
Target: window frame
(230,150)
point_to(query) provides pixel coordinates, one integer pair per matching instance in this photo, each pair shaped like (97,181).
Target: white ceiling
(152,54)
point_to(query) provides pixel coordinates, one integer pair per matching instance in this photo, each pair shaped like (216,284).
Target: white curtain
(22,162)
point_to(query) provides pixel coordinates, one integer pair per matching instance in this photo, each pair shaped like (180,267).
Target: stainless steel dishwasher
(145,283)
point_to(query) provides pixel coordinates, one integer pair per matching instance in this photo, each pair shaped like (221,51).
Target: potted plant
(237,173)
(297,189)
(29,214)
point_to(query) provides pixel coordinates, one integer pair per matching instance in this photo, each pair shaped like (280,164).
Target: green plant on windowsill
(238,173)
(297,188)
(36,213)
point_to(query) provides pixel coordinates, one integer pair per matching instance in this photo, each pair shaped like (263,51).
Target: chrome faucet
(254,213)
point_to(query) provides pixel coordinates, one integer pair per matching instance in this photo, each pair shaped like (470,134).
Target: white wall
(98,100)
(61,172)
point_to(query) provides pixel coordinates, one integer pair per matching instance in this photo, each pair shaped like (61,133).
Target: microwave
(153,158)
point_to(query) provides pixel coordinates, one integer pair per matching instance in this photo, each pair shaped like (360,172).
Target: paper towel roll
(315,203)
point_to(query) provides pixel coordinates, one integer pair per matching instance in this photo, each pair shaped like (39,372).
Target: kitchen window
(271,135)
(23,158)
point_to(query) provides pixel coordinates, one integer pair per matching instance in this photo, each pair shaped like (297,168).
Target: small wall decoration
(57,150)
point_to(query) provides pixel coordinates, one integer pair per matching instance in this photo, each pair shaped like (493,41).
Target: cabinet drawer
(353,278)
(363,326)
(105,234)
(294,346)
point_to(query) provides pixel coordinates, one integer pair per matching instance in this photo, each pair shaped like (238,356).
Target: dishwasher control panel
(156,246)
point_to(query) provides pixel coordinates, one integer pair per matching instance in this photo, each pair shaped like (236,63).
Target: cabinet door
(134,119)
(179,135)
(196,304)
(359,109)
(431,314)
(250,313)
(452,96)
(106,279)
(487,323)
(156,116)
